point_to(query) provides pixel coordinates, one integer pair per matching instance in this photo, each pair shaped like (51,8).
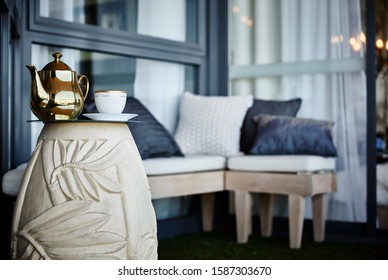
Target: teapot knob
(57,56)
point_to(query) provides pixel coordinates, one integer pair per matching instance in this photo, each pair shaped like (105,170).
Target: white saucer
(110,117)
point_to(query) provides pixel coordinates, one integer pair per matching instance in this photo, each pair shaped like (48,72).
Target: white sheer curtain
(335,96)
(313,36)
(159,85)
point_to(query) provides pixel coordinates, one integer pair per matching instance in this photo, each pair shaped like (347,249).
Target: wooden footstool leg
(243,208)
(266,210)
(207,205)
(319,217)
(296,207)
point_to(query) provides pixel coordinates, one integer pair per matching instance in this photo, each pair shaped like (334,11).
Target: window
(154,50)
(168,19)
(4,87)
(314,50)
(9,33)
(101,39)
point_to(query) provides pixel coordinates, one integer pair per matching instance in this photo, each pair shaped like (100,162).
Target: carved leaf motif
(106,182)
(147,246)
(85,185)
(104,149)
(68,192)
(72,151)
(85,250)
(48,160)
(71,230)
(80,225)
(31,254)
(85,150)
(105,157)
(76,189)
(89,184)
(62,149)
(58,153)
(78,173)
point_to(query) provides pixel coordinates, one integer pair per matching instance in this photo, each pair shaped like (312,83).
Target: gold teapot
(57,92)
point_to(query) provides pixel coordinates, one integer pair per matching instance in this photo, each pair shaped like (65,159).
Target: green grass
(222,246)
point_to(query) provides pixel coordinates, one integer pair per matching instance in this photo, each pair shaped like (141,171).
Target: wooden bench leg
(266,212)
(243,208)
(296,207)
(207,205)
(319,217)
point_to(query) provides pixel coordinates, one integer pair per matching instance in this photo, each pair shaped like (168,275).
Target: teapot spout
(37,89)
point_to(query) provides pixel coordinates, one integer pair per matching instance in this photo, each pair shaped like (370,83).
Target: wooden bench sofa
(295,176)
(209,130)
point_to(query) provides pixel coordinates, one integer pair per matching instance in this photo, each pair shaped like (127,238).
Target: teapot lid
(57,64)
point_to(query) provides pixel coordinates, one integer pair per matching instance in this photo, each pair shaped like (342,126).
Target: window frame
(205,55)
(10,30)
(5,96)
(126,43)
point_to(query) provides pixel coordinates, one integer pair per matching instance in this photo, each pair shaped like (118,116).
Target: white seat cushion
(12,180)
(153,166)
(189,163)
(281,163)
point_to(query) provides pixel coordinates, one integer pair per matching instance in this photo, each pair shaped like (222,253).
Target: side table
(84,195)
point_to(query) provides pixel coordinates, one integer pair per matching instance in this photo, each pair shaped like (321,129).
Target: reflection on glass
(173,19)
(113,14)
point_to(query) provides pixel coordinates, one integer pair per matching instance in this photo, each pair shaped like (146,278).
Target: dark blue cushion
(269,107)
(151,137)
(281,135)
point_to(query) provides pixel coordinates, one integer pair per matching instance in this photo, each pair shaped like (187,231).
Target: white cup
(110,101)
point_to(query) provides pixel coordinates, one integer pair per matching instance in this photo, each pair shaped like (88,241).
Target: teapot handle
(83,83)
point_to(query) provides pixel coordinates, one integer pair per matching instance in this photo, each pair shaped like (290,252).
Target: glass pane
(268,36)
(167,19)
(382,112)
(289,31)
(158,85)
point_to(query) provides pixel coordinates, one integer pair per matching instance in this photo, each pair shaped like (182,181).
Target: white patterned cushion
(211,124)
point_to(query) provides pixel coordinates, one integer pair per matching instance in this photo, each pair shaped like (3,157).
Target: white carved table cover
(84,195)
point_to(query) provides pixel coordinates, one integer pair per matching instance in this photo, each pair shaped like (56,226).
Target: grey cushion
(272,107)
(151,137)
(282,135)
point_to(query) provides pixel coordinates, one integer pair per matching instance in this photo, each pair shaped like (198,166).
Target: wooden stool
(295,176)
